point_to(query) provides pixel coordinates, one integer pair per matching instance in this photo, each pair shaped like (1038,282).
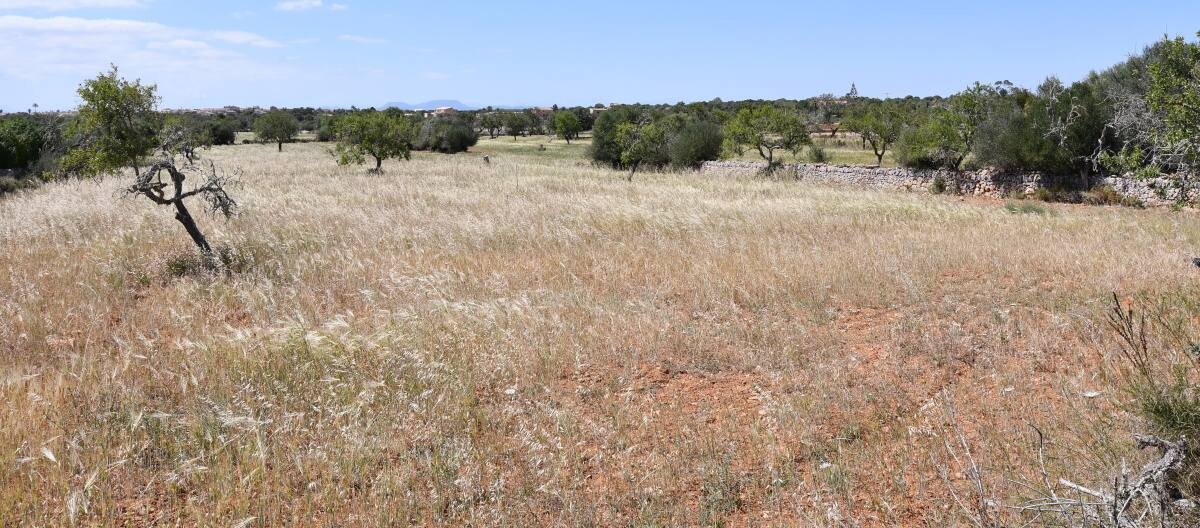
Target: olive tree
(376,134)
(765,129)
(880,125)
(277,127)
(118,127)
(491,123)
(567,125)
(515,124)
(1173,99)
(642,143)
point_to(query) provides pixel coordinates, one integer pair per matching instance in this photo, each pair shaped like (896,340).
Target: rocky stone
(985,182)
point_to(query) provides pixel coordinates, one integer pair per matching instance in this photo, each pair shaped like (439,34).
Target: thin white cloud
(38,49)
(243,37)
(338,7)
(297,5)
(62,24)
(124,28)
(359,39)
(66,5)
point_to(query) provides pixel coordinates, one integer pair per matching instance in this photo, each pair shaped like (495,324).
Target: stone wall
(986,182)
(1155,192)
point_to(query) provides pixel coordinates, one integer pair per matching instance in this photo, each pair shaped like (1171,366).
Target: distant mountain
(430,105)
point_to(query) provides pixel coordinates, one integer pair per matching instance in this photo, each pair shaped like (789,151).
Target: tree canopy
(371,133)
(880,124)
(276,127)
(21,140)
(117,125)
(567,125)
(766,129)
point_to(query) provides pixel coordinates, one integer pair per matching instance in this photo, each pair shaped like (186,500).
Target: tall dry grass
(538,342)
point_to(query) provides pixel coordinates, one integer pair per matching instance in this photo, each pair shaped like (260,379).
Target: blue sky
(368,52)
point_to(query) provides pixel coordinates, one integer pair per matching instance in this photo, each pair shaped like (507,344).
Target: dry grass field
(537,342)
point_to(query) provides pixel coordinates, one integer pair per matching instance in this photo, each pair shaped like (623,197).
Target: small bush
(221,132)
(1163,376)
(1106,195)
(447,136)
(184,265)
(8,184)
(21,141)
(817,155)
(191,264)
(695,143)
(938,186)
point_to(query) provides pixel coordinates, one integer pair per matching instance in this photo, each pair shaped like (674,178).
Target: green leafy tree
(376,134)
(277,127)
(604,148)
(21,141)
(959,124)
(641,144)
(766,129)
(117,127)
(491,123)
(1018,133)
(934,144)
(567,125)
(325,129)
(515,124)
(880,124)
(1174,98)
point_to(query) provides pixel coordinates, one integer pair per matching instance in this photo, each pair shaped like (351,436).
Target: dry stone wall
(986,182)
(1155,192)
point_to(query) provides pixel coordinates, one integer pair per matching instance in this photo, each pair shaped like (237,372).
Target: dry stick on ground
(1152,488)
(979,511)
(152,185)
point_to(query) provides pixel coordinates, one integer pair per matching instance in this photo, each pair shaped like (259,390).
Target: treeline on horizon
(1141,116)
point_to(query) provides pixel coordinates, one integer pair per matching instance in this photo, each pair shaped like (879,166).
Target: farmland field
(536,341)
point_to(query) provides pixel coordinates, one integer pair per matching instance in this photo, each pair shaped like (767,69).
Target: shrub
(1106,195)
(446,135)
(817,155)
(938,186)
(21,141)
(929,146)
(222,132)
(694,144)
(326,129)
(8,184)
(1163,376)
(1014,138)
